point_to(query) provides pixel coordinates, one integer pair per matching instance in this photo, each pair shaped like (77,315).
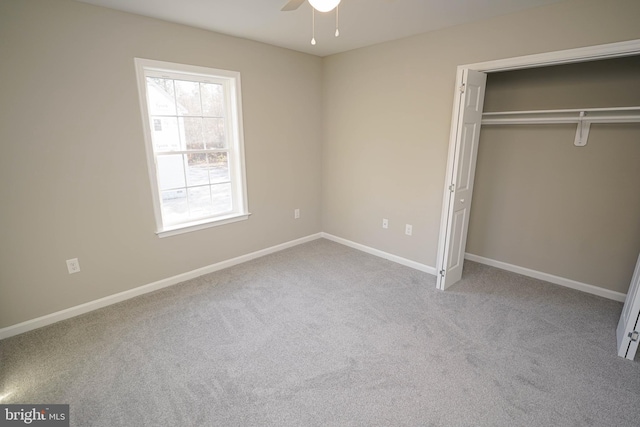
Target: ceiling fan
(319,5)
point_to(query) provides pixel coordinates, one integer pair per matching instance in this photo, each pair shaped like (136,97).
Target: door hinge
(462,87)
(442,273)
(452,187)
(634,336)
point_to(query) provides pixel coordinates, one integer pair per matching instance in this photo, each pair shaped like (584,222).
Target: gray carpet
(324,335)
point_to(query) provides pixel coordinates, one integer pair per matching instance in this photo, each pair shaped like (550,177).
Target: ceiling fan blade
(292,5)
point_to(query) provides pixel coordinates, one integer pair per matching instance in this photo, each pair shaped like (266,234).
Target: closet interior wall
(544,204)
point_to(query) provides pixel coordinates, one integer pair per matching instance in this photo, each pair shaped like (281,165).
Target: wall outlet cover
(73,265)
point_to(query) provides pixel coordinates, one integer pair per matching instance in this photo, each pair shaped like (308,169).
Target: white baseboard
(141,290)
(39,322)
(381,254)
(595,290)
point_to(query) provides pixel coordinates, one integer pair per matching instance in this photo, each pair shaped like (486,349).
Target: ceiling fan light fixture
(324,5)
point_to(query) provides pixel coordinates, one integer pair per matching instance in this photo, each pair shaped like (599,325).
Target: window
(193,132)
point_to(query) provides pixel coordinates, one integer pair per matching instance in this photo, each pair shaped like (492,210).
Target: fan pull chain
(313,26)
(337,20)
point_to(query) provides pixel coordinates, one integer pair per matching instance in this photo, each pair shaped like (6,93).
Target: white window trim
(237,166)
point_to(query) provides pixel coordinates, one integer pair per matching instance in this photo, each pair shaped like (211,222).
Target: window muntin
(193,132)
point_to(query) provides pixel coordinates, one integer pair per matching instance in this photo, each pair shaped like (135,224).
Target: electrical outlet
(73,265)
(385,223)
(408,230)
(296,214)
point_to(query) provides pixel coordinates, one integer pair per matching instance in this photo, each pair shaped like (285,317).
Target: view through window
(194,140)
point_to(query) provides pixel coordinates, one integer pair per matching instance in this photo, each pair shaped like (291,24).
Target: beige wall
(387,115)
(73,175)
(542,203)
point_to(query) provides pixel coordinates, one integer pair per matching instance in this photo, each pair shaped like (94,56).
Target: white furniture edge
(568,283)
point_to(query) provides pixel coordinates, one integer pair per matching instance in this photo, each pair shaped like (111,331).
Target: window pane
(197,173)
(218,167)
(200,201)
(194,144)
(161,95)
(214,133)
(171,171)
(222,201)
(188,97)
(191,128)
(212,100)
(164,133)
(175,208)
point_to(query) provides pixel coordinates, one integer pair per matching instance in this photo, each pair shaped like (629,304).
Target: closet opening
(583,202)
(550,187)
(463,152)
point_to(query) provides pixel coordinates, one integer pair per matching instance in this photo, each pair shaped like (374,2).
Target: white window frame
(230,81)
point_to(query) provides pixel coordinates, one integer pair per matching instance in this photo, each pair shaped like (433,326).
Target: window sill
(199,225)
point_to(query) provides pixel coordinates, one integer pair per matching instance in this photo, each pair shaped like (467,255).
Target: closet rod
(583,115)
(559,120)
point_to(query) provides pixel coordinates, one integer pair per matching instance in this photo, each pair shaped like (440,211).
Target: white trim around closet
(583,54)
(567,56)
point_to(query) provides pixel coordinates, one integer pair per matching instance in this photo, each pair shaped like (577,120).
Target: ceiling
(362,22)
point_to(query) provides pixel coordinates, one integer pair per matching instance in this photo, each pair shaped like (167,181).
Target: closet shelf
(582,117)
(591,115)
